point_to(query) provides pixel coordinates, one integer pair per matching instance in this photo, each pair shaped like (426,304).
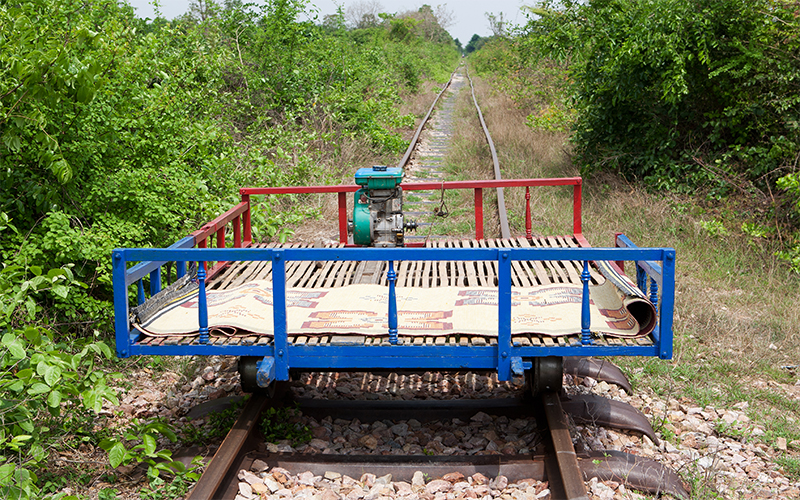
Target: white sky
(470,15)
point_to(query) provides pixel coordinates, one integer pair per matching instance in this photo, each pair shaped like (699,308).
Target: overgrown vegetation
(736,323)
(683,95)
(117,131)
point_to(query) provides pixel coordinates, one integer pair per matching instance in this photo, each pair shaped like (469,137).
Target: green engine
(378,208)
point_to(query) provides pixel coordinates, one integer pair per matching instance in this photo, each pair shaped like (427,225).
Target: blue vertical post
(654,292)
(281,338)
(121,312)
(641,278)
(667,305)
(202,303)
(180,269)
(140,292)
(586,315)
(504,316)
(155,282)
(391,276)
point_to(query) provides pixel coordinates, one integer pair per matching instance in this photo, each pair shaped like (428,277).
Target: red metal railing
(477,186)
(239,215)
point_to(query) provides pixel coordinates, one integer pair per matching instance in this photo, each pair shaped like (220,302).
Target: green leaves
(14,346)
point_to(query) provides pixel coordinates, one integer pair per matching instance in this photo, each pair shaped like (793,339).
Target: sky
(470,15)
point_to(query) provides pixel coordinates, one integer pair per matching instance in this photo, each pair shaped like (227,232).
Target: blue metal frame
(504,357)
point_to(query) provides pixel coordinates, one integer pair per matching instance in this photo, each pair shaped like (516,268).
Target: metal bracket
(518,366)
(266,371)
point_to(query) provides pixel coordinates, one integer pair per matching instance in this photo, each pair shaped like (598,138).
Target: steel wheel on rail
(248,367)
(546,375)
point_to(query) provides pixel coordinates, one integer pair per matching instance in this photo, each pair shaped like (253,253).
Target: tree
(475,43)
(497,24)
(429,22)
(363,14)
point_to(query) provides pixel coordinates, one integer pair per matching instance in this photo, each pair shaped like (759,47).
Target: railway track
(553,458)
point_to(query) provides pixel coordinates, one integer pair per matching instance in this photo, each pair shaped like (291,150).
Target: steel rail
(238,441)
(415,138)
(565,476)
(505,232)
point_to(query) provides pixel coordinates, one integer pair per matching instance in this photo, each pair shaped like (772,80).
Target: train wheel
(248,367)
(546,375)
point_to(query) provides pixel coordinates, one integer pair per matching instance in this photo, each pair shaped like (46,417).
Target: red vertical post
(203,243)
(237,232)
(478,213)
(221,242)
(342,217)
(528,225)
(576,208)
(248,230)
(620,263)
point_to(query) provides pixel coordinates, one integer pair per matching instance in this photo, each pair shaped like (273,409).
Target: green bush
(681,94)
(116,132)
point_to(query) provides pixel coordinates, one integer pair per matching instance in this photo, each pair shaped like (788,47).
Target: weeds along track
(363,435)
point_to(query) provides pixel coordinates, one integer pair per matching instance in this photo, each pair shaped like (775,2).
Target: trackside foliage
(683,94)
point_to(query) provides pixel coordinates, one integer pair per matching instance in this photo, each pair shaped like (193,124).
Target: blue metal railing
(657,264)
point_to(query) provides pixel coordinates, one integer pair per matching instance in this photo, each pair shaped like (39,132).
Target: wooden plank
(463,341)
(344,274)
(523,267)
(573,267)
(402,272)
(490,266)
(557,274)
(597,277)
(548,341)
(426,270)
(478,341)
(541,273)
(527,266)
(295,270)
(330,279)
(519,276)
(252,271)
(472,276)
(418,340)
(461,266)
(444,280)
(478,267)
(429,340)
(440,340)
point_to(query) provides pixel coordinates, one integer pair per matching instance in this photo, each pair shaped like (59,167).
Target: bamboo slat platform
(411,274)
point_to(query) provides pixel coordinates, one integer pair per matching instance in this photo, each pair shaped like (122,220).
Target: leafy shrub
(40,377)
(682,94)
